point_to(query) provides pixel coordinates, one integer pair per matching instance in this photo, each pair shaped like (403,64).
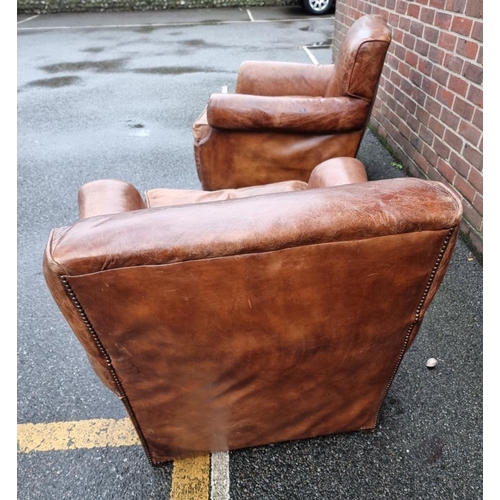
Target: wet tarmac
(114,96)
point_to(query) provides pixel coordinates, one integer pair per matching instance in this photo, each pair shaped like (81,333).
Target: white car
(318,7)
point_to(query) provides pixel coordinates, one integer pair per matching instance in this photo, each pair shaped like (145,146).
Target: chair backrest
(360,59)
(244,322)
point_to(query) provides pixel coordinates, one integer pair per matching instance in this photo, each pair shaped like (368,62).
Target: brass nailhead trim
(417,316)
(126,401)
(107,358)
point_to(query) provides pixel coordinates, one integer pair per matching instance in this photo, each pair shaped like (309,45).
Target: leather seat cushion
(167,197)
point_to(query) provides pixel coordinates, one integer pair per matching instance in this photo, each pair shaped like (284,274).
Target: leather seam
(352,70)
(50,246)
(97,342)
(123,396)
(204,139)
(245,253)
(416,320)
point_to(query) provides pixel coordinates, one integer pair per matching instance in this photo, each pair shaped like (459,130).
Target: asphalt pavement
(114,95)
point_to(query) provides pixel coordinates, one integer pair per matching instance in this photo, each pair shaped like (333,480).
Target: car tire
(318,7)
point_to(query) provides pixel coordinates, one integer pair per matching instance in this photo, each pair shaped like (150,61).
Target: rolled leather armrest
(299,114)
(337,172)
(270,78)
(108,196)
(251,225)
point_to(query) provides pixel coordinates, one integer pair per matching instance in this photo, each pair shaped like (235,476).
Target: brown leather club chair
(289,117)
(238,318)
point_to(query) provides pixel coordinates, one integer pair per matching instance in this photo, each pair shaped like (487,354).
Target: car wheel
(318,7)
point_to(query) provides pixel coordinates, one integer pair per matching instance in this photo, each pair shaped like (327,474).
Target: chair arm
(272,222)
(108,196)
(336,172)
(298,114)
(270,78)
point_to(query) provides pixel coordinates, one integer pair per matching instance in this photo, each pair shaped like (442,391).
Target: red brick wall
(429,106)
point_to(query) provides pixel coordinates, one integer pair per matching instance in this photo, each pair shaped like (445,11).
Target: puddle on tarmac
(137,129)
(54,83)
(93,50)
(199,43)
(174,70)
(319,45)
(106,66)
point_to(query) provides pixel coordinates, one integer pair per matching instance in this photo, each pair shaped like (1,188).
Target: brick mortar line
(446,51)
(402,154)
(447,30)
(471,227)
(429,7)
(440,11)
(454,131)
(443,105)
(459,153)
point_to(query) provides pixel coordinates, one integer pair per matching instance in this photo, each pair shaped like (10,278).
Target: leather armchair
(286,118)
(243,317)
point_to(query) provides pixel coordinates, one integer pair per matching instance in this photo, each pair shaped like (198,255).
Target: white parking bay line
(204,477)
(309,53)
(219,477)
(167,25)
(29,19)
(250,15)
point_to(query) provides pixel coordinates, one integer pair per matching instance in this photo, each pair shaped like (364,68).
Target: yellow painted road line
(96,433)
(191,479)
